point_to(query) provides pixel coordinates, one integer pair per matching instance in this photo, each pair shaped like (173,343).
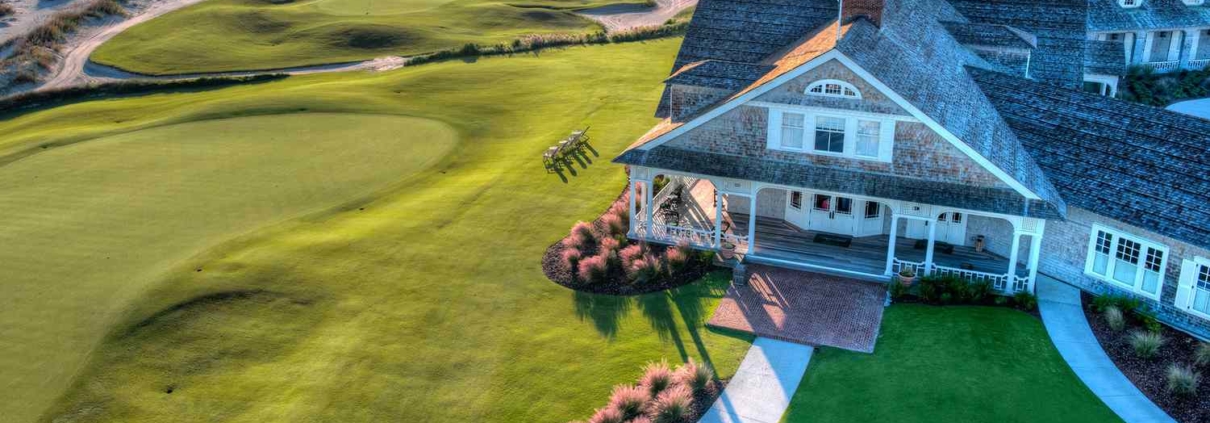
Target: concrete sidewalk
(1063,316)
(763,385)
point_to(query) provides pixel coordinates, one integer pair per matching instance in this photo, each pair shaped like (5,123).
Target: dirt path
(623,17)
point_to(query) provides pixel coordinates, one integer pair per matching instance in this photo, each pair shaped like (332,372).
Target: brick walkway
(806,308)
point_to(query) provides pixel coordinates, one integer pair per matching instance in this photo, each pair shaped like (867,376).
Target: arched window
(834,88)
(1194,2)
(1130,3)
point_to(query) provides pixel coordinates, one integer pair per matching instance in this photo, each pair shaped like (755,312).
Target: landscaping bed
(663,395)
(1150,375)
(951,290)
(597,257)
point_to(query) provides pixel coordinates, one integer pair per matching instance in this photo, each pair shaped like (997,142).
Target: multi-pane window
(834,88)
(823,202)
(868,134)
(796,200)
(872,210)
(1201,290)
(792,130)
(1127,260)
(844,205)
(829,134)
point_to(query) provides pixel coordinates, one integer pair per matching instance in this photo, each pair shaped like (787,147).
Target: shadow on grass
(605,311)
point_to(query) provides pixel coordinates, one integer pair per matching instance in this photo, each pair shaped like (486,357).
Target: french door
(831,213)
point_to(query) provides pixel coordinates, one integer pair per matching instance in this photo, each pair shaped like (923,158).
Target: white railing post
(718,218)
(1035,252)
(752,221)
(890,249)
(633,218)
(1013,257)
(928,254)
(648,207)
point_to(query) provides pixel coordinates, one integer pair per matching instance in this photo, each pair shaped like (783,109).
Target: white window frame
(1140,272)
(886,132)
(1187,289)
(1130,4)
(845,88)
(1194,2)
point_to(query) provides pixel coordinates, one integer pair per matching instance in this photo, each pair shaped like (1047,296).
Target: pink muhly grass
(614,223)
(609,244)
(656,378)
(628,400)
(630,254)
(571,257)
(606,415)
(674,405)
(592,269)
(645,269)
(697,377)
(581,236)
(676,259)
(640,419)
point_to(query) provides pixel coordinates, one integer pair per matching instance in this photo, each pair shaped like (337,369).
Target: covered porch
(852,235)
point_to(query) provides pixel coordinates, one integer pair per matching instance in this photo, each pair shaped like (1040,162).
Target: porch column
(1035,252)
(928,254)
(634,198)
(1012,259)
(890,249)
(718,218)
(752,223)
(648,208)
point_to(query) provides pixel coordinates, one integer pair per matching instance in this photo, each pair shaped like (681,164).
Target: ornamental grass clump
(677,259)
(673,405)
(630,401)
(645,269)
(1114,318)
(1146,344)
(1182,380)
(607,415)
(630,254)
(656,378)
(614,224)
(1201,356)
(593,269)
(696,377)
(581,236)
(571,257)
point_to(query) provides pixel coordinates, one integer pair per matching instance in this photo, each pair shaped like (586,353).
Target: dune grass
(948,364)
(226,35)
(421,301)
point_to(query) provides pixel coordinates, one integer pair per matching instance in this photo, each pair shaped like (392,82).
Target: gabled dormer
(1194,2)
(1131,4)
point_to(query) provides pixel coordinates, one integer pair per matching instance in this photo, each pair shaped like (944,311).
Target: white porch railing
(999,282)
(701,238)
(1163,66)
(1198,64)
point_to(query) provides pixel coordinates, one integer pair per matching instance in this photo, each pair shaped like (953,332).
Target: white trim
(1186,290)
(798,108)
(822,84)
(886,133)
(1111,263)
(902,102)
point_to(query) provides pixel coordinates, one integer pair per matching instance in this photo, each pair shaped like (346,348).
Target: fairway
(426,302)
(87,227)
(229,35)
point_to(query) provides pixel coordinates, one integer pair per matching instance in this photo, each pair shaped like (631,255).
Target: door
(796,211)
(832,214)
(951,228)
(871,219)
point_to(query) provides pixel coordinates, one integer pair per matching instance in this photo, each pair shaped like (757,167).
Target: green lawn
(225,35)
(948,364)
(397,279)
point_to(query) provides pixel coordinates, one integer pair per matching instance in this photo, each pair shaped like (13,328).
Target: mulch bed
(616,283)
(1150,375)
(703,401)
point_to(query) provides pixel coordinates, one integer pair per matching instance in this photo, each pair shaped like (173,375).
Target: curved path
(1063,316)
(1199,107)
(762,388)
(629,16)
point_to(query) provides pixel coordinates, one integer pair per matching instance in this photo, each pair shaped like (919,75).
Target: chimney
(870,9)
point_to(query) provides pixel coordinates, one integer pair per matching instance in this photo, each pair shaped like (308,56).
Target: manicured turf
(428,305)
(225,35)
(948,364)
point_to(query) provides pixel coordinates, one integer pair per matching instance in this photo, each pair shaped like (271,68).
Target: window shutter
(886,145)
(774,129)
(1184,291)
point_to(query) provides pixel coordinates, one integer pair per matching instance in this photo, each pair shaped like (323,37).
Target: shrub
(980,291)
(1201,356)
(1182,380)
(645,269)
(946,298)
(958,288)
(593,269)
(630,254)
(931,289)
(1124,303)
(607,415)
(640,419)
(581,236)
(1115,318)
(608,244)
(571,257)
(657,377)
(1149,321)
(613,223)
(628,400)
(676,259)
(674,405)
(1001,301)
(898,289)
(705,257)
(1025,300)
(697,378)
(1146,344)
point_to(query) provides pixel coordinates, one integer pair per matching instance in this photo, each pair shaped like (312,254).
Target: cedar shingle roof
(1106,15)
(1105,58)
(1138,164)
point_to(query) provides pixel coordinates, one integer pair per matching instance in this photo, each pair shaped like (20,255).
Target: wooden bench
(565,149)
